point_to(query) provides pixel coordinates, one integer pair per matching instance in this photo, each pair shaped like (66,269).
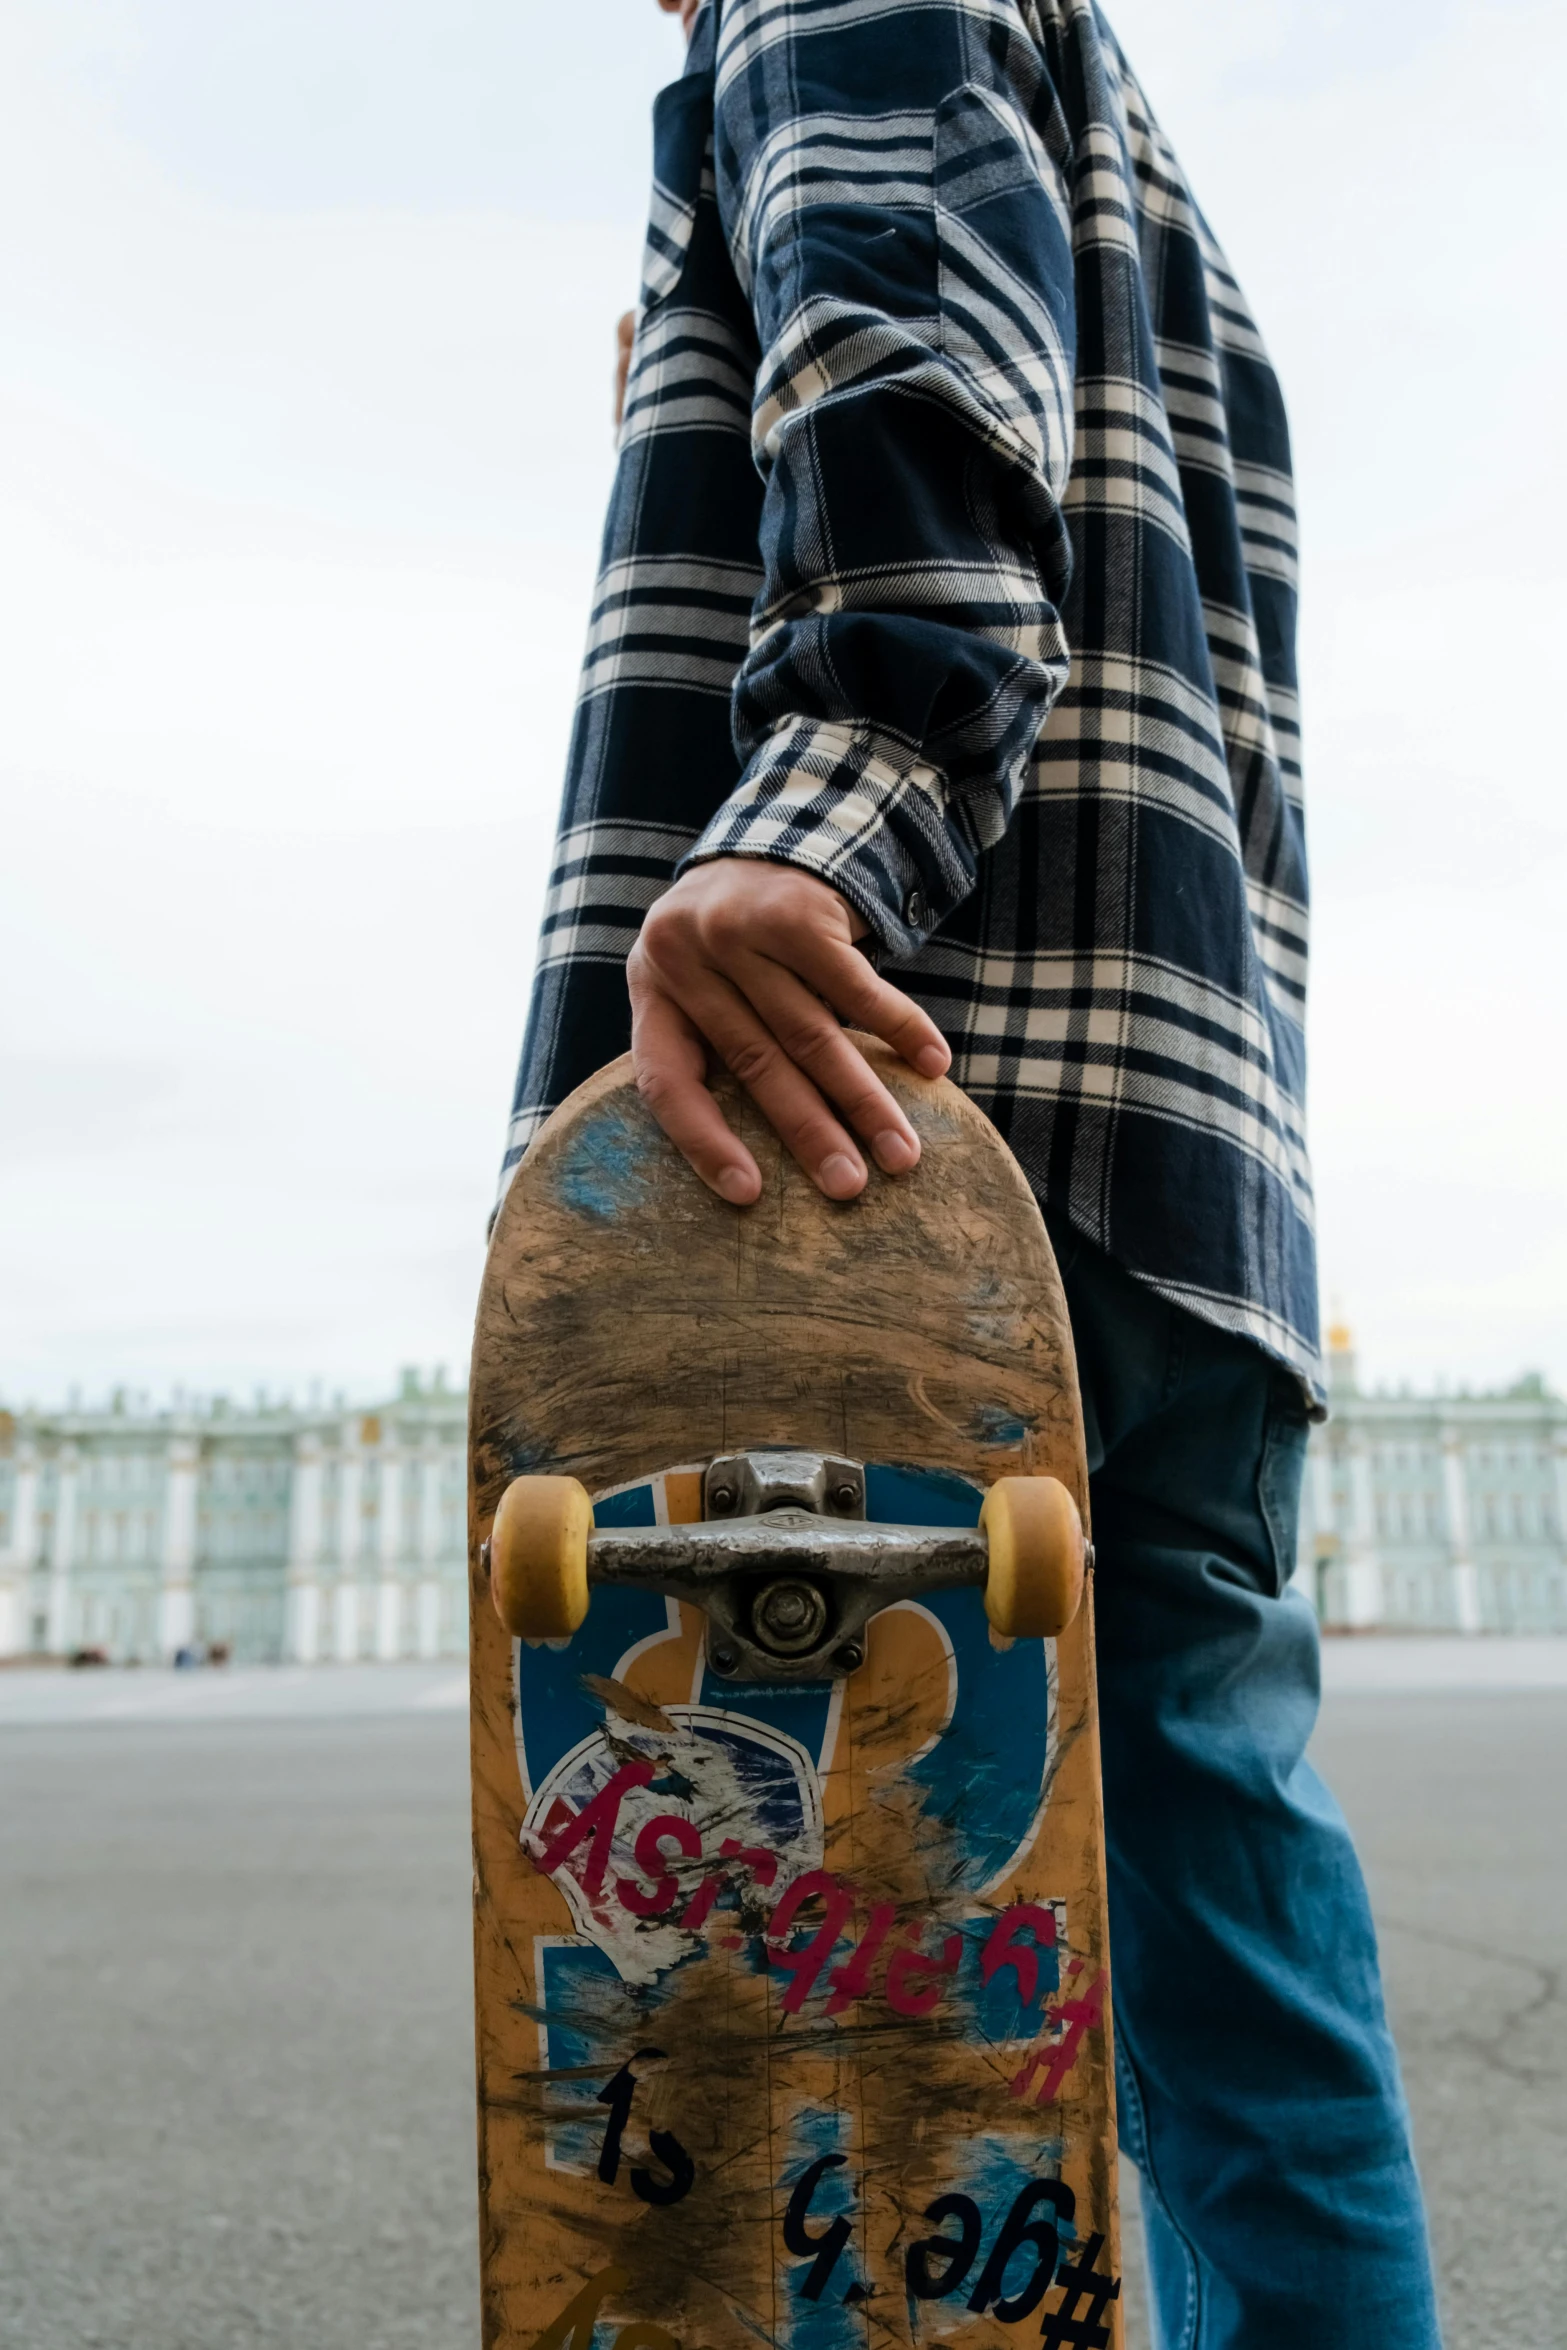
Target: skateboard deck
(793,2014)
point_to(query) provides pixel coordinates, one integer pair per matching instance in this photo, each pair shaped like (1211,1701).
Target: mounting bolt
(789,1616)
(849,1657)
(722,1498)
(845,1495)
(724,1660)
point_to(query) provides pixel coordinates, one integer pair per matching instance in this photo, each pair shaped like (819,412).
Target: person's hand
(684,9)
(753,960)
(625,336)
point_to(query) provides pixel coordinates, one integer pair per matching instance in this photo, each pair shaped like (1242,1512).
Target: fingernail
(894,1151)
(840,1176)
(737,1186)
(932,1060)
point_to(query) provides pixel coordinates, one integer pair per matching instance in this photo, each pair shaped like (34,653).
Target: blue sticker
(997,2011)
(820,2306)
(555,1711)
(986,1794)
(605,1166)
(584,2012)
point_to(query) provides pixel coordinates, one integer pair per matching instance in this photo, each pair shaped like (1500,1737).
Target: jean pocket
(1281,1475)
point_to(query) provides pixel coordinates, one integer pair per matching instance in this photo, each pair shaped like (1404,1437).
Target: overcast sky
(305,332)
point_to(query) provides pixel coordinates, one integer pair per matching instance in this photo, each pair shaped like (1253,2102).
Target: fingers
(857,991)
(757,960)
(781,1089)
(811,1039)
(776,911)
(671,1072)
(784,917)
(625,336)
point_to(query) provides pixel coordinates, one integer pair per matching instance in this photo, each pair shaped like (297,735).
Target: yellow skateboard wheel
(1035,1584)
(539,1557)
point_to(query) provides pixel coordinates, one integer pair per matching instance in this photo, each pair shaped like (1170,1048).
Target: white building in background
(328,1535)
(315,1536)
(1441,1513)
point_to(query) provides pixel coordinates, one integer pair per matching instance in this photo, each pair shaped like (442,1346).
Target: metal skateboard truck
(784,1564)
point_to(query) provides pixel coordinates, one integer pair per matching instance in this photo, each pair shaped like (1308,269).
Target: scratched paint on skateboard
(793,2001)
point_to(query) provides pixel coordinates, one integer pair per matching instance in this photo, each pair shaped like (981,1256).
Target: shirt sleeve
(901,230)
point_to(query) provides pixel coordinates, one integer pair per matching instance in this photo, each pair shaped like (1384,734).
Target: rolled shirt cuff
(862,811)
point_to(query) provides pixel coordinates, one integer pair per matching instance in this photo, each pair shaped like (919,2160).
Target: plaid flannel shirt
(951,558)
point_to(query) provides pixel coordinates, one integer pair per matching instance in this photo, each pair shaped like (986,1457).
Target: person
(940,682)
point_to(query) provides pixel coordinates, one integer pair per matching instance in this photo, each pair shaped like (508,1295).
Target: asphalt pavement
(236,2029)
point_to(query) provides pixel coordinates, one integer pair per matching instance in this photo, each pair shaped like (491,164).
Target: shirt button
(916,913)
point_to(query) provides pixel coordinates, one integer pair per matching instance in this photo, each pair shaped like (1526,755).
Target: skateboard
(793,2002)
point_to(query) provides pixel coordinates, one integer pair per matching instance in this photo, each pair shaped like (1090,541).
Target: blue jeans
(1258,2085)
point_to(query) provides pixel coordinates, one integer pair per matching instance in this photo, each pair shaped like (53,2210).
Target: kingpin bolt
(789,1616)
